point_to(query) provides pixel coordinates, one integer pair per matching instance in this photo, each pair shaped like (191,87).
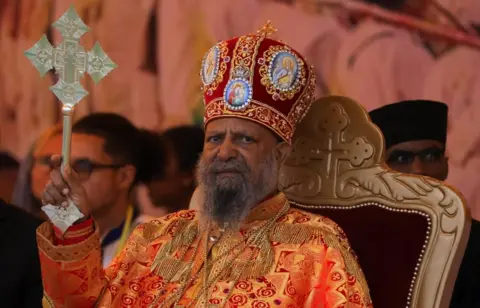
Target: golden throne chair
(408,232)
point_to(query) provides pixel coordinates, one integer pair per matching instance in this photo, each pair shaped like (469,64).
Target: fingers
(52,195)
(57,180)
(71,179)
(57,189)
(65,180)
(56,161)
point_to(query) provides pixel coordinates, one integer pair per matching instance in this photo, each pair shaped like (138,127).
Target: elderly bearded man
(246,247)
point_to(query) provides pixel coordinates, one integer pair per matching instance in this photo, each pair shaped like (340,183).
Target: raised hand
(65,187)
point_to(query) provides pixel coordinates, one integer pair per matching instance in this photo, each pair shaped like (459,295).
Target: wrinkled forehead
(237,125)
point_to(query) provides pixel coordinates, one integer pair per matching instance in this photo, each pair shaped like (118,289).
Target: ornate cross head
(69,59)
(267,29)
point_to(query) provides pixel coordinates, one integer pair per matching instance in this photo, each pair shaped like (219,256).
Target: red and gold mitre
(257,78)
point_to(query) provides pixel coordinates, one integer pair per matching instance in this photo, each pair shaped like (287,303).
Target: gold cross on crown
(267,29)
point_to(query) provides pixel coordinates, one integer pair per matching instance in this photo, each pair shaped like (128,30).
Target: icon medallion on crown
(238,94)
(210,65)
(283,71)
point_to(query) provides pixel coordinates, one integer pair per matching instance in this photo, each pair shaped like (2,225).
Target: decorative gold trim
(165,263)
(257,112)
(47,302)
(338,163)
(244,55)
(302,105)
(45,238)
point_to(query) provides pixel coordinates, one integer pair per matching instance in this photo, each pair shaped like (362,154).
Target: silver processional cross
(70,62)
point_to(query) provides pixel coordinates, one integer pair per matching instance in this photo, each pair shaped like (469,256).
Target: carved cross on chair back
(409,232)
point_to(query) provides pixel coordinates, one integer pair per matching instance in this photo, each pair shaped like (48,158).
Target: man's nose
(418,166)
(227,150)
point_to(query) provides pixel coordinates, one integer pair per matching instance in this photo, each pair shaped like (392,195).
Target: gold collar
(267,209)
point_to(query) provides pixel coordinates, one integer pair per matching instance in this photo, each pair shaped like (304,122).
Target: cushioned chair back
(409,232)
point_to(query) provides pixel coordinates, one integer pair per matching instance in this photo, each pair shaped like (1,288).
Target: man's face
(422,157)
(103,180)
(41,165)
(238,168)
(169,190)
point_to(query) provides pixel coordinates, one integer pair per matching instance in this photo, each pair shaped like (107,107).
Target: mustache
(232,165)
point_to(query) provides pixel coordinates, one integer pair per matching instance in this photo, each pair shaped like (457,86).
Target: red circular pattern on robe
(355,298)
(147,299)
(135,287)
(188,215)
(266,292)
(128,301)
(113,289)
(215,301)
(284,218)
(302,219)
(260,304)
(156,285)
(290,289)
(351,279)
(124,267)
(238,299)
(244,285)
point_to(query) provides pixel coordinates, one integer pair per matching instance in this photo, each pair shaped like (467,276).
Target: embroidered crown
(259,79)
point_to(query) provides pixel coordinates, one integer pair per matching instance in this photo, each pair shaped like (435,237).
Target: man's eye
(429,157)
(399,159)
(214,139)
(246,139)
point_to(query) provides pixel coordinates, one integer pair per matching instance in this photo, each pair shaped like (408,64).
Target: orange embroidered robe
(301,260)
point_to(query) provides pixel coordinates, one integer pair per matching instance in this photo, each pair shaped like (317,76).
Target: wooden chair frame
(338,162)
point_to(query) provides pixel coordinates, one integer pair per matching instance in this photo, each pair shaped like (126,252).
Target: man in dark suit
(21,280)
(415,135)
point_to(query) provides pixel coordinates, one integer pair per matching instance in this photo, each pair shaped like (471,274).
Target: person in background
(416,135)
(155,160)
(379,62)
(173,186)
(21,283)
(107,155)
(9,167)
(35,170)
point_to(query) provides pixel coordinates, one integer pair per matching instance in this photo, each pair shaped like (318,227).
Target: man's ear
(126,176)
(282,151)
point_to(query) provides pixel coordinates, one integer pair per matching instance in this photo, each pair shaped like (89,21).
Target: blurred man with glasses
(415,134)
(108,155)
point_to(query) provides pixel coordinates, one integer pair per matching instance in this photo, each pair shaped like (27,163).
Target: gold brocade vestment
(303,260)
